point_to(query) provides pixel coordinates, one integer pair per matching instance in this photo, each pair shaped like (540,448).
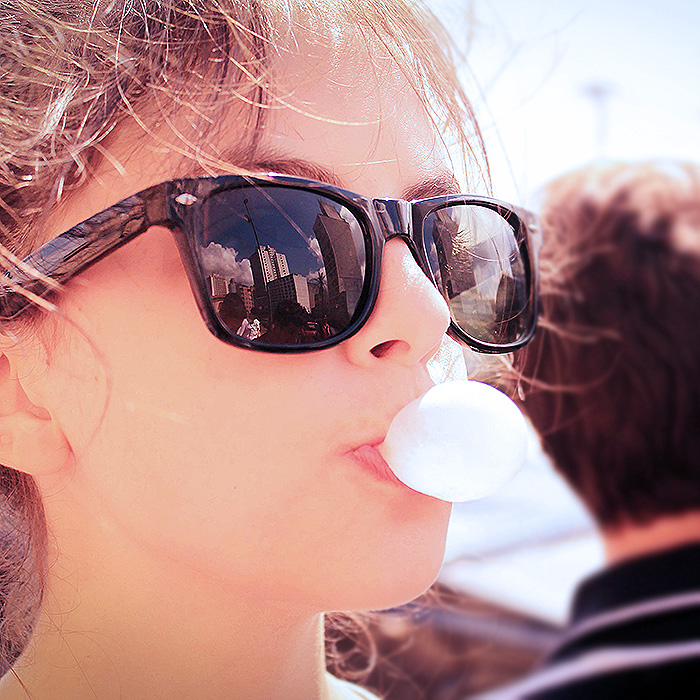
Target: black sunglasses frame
(174,204)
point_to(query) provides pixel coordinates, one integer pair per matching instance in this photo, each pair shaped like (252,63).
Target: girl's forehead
(353,112)
(333,105)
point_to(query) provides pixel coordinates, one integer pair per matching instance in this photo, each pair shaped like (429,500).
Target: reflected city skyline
(479,270)
(290,306)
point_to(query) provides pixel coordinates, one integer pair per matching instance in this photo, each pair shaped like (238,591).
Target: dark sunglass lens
(479,267)
(283,266)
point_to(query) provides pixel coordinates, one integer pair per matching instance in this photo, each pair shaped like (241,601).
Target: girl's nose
(409,318)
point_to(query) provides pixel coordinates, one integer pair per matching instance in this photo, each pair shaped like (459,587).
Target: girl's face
(239,466)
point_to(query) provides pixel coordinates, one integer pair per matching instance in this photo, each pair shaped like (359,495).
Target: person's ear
(31,440)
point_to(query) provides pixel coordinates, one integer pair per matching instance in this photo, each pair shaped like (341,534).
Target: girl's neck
(129,629)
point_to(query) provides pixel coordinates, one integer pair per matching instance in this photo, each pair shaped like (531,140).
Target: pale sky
(533,64)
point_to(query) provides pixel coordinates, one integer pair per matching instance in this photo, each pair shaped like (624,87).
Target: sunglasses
(285,264)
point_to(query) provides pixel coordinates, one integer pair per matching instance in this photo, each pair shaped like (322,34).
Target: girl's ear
(31,441)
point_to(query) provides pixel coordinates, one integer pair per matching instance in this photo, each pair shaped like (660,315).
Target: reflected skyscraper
(267,264)
(218,286)
(244,291)
(289,288)
(343,275)
(453,250)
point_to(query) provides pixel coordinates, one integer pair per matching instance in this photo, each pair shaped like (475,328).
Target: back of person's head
(615,380)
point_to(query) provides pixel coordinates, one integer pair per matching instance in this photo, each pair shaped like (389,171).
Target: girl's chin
(385,598)
(393,587)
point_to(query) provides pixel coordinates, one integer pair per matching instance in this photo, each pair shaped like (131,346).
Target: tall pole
(258,250)
(600,93)
(249,219)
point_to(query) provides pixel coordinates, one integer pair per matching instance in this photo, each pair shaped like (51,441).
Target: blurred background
(559,84)
(555,86)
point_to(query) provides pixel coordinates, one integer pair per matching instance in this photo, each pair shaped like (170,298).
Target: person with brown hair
(615,396)
(181,502)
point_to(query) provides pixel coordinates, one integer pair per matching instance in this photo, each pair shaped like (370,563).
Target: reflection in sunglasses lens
(283,266)
(475,258)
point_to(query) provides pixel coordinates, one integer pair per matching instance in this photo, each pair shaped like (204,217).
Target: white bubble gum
(460,441)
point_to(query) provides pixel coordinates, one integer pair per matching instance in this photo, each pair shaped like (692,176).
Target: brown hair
(616,388)
(74,70)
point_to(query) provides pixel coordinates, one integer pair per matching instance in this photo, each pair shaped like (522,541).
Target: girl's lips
(371,459)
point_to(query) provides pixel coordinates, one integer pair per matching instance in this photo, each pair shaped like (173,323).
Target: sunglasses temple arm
(63,257)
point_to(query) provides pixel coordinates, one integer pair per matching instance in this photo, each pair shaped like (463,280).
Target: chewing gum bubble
(460,441)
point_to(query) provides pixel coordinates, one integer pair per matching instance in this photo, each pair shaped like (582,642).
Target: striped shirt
(635,633)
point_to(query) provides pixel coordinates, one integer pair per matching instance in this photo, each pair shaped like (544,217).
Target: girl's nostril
(385,348)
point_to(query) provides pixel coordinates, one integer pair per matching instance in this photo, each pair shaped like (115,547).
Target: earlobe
(31,441)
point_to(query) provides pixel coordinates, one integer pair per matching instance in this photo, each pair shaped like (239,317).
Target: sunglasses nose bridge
(394,216)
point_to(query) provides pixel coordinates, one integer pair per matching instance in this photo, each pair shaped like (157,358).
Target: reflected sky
(281,218)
